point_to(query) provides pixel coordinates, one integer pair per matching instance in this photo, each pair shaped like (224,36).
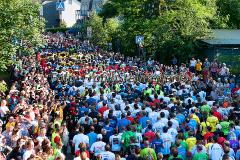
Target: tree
(3,87)
(168,26)
(20,29)
(102,33)
(230,9)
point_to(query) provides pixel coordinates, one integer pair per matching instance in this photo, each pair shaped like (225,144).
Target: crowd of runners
(74,101)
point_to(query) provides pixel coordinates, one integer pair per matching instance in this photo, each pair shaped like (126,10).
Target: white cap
(99,136)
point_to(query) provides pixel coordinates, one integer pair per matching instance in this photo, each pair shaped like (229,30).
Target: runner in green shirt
(175,155)
(148,153)
(157,87)
(200,155)
(148,91)
(205,108)
(179,157)
(126,138)
(225,125)
(137,125)
(182,140)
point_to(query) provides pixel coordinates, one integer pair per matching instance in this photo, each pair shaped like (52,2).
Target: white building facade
(70,13)
(74,11)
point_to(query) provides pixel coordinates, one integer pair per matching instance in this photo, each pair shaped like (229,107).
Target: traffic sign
(60,6)
(139,39)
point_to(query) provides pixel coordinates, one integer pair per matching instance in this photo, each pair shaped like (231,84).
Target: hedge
(57,29)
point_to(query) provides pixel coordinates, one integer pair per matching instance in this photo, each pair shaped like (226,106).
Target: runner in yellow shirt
(55,134)
(191,141)
(196,118)
(213,121)
(204,126)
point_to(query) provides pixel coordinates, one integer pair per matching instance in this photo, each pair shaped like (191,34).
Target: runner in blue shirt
(122,123)
(143,120)
(157,143)
(92,136)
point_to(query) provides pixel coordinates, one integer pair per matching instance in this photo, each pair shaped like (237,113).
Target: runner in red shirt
(131,119)
(150,135)
(103,109)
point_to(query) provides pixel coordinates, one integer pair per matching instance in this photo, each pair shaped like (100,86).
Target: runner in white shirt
(167,140)
(115,141)
(166,99)
(158,126)
(187,100)
(175,124)
(81,89)
(166,112)
(153,117)
(163,119)
(117,112)
(77,139)
(172,131)
(107,155)
(139,138)
(99,146)
(215,150)
(227,154)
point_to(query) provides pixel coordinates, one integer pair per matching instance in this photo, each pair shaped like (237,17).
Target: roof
(224,37)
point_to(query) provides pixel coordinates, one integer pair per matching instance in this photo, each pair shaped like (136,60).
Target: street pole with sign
(60,7)
(139,41)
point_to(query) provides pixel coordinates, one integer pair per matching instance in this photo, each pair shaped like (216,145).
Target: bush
(63,24)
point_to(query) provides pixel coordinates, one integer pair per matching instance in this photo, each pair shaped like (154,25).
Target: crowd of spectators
(74,101)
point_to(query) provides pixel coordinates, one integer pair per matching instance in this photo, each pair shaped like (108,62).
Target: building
(88,6)
(222,41)
(223,46)
(56,11)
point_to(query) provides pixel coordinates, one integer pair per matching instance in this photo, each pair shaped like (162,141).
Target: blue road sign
(60,6)
(139,39)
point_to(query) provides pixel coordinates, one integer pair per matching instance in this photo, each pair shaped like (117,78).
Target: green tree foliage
(168,26)
(102,33)
(230,9)
(62,24)
(3,87)
(19,22)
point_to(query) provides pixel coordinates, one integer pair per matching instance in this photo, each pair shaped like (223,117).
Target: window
(78,14)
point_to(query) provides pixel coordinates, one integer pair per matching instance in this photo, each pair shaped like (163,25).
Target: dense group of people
(74,101)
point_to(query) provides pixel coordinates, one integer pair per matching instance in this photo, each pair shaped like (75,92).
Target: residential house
(88,6)
(68,12)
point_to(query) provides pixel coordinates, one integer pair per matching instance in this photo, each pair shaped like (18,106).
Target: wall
(69,14)
(50,14)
